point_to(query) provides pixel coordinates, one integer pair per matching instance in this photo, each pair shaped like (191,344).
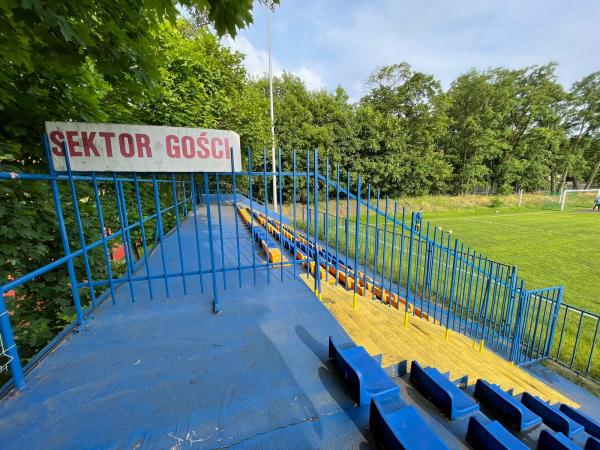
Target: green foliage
(495,202)
(505,128)
(96,62)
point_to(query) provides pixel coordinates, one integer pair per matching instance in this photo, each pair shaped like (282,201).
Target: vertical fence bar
(589,362)
(124,235)
(103,233)
(326,220)
(474,314)
(410,258)
(128,244)
(549,321)
(178,233)
(75,200)
(337,226)
(266,197)
(317,285)
(576,340)
(426,284)
(347,222)
(437,282)
(489,306)
(515,352)
(496,305)
(533,336)
(376,255)
(528,323)
(461,284)
(469,315)
(562,332)
(356,233)
(221,237)
(65,241)
(383,262)
(487,300)
(418,265)
(160,232)
(426,291)
(544,297)
(511,305)
(195,216)
(452,286)
(401,262)
(308,214)
(393,254)
(143,232)
(252,215)
(216,305)
(184,198)
(367,226)
(235,219)
(294,213)
(555,321)
(280,212)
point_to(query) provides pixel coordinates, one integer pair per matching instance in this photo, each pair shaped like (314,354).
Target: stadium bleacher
(397,423)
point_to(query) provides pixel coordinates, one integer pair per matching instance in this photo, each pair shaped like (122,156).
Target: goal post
(578,197)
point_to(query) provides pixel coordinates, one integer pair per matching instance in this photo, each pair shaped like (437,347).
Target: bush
(495,202)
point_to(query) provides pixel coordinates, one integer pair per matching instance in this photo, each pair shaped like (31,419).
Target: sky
(341,42)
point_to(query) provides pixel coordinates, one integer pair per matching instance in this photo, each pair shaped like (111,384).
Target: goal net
(578,199)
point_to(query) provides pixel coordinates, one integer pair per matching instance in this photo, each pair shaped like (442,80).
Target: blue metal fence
(423,268)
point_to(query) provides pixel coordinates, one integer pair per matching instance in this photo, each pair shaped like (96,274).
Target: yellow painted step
(380,329)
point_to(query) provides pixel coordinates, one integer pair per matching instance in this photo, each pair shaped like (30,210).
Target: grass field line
(524,227)
(505,215)
(537,230)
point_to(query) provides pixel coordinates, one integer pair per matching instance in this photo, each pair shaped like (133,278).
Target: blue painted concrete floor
(169,373)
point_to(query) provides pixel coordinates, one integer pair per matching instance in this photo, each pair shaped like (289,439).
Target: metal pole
(272,114)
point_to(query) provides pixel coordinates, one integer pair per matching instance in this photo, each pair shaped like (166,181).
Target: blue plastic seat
(399,426)
(592,444)
(510,411)
(589,424)
(555,441)
(444,394)
(364,375)
(552,417)
(491,436)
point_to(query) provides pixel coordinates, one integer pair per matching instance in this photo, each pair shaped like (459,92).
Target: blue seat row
(511,412)
(453,402)
(555,441)
(552,417)
(590,425)
(364,375)
(491,436)
(399,426)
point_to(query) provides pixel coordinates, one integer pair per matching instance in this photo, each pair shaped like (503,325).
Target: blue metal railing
(436,275)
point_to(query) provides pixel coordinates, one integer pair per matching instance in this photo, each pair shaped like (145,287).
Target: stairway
(380,329)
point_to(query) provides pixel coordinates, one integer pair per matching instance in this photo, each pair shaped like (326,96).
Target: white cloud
(256,62)
(311,78)
(447,38)
(343,42)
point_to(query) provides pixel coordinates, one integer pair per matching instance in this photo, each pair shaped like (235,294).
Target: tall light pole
(273,163)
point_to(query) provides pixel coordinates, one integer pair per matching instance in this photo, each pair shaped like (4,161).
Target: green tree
(417,106)
(505,124)
(583,124)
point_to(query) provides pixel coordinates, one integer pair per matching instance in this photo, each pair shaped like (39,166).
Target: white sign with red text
(107,147)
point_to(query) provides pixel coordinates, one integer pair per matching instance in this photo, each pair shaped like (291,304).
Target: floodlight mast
(273,163)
